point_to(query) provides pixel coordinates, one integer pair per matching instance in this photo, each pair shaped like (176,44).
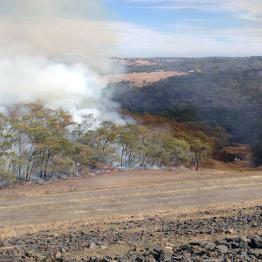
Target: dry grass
(130,195)
(141,79)
(103,222)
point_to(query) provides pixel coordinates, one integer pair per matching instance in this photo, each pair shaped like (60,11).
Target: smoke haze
(54,52)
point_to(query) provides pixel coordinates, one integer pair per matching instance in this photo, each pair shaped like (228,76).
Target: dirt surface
(135,215)
(127,193)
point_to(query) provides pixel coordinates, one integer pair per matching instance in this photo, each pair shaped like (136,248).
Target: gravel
(232,237)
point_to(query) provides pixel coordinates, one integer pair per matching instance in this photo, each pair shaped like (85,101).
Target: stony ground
(231,235)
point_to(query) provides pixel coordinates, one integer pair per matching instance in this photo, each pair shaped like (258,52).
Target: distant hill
(218,91)
(204,65)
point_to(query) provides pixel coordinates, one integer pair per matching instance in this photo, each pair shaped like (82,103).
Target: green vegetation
(37,142)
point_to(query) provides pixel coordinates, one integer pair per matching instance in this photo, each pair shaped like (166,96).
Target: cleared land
(126,193)
(141,79)
(136,215)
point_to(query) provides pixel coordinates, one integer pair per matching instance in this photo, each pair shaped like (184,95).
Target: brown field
(141,79)
(120,195)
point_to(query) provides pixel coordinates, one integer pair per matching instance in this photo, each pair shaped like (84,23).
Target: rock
(47,246)
(176,257)
(256,242)
(62,250)
(211,260)
(82,233)
(134,248)
(195,243)
(243,239)
(41,257)
(60,259)
(92,245)
(28,253)
(230,231)
(208,246)
(158,254)
(93,259)
(222,249)
(244,256)
(106,259)
(58,255)
(257,253)
(103,247)
(233,245)
(186,247)
(117,258)
(139,259)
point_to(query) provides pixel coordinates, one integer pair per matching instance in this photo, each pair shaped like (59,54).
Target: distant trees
(39,142)
(204,97)
(257,146)
(201,151)
(257,151)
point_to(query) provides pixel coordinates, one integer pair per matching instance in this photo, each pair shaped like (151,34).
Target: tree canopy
(38,142)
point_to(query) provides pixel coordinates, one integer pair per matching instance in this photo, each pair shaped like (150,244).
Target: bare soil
(124,193)
(125,214)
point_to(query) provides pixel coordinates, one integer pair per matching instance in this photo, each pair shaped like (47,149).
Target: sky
(190,28)
(131,28)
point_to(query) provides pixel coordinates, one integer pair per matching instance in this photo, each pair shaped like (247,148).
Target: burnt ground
(176,215)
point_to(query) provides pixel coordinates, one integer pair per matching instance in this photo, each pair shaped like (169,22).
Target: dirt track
(128,193)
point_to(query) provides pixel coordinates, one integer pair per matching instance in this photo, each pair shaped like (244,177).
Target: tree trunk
(197,162)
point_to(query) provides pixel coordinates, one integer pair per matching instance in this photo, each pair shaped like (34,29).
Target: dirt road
(127,193)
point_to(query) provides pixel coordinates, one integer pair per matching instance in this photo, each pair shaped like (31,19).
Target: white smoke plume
(73,87)
(55,52)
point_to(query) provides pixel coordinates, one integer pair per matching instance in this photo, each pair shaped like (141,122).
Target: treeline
(37,142)
(257,149)
(204,65)
(222,92)
(229,99)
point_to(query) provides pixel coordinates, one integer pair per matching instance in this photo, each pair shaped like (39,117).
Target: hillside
(228,95)
(204,65)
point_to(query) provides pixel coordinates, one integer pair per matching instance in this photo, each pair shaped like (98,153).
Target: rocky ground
(234,235)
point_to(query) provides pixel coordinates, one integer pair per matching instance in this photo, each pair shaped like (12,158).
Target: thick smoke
(55,52)
(73,87)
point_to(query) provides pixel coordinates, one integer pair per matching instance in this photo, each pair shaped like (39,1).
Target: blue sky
(131,28)
(187,27)
(156,17)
